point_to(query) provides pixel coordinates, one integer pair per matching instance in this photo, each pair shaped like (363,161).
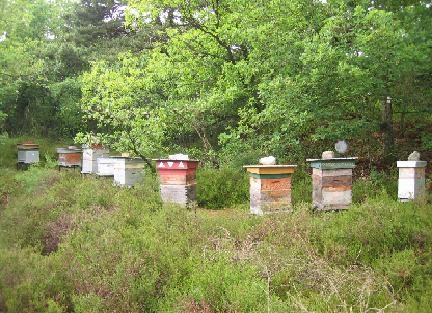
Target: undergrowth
(79,244)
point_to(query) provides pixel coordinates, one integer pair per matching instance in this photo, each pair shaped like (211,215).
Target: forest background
(223,81)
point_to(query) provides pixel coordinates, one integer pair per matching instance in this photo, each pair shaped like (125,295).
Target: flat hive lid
(271,169)
(333,163)
(67,150)
(27,146)
(332,159)
(176,160)
(411,163)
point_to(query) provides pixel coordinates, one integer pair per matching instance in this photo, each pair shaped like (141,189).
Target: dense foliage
(213,77)
(268,77)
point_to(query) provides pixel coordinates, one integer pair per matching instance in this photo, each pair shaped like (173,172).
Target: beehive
(105,166)
(128,171)
(177,180)
(69,157)
(332,182)
(411,183)
(90,156)
(270,188)
(28,153)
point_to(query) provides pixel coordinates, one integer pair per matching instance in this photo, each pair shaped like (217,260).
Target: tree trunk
(388,131)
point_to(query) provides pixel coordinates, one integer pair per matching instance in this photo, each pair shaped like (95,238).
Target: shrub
(221,188)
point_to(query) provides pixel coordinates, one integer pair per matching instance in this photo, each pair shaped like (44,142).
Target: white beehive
(128,171)
(105,166)
(411,183)
(89,159)
(28,153)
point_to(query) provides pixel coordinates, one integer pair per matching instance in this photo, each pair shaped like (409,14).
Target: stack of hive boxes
(177,180)
(412,182)
(128,171)
(270,188)
(90,155)
(332,182)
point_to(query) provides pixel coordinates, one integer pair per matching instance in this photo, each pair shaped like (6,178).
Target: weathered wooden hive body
(90,156)
(128,171)
(411,183)
(105,166)
(28,153)
(270,188)
(177,180)
(332,182)
(69,157)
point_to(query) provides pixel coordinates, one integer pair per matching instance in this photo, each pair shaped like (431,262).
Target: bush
(221,188)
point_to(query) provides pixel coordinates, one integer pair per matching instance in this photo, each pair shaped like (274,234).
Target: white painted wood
(411,182)
(411,163)
(128,171)
(105,166)
(28,156)
(89,159)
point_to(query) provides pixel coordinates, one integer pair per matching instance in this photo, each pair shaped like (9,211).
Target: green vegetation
(79,244)
(226,82)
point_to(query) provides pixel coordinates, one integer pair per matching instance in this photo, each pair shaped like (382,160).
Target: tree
(271,77)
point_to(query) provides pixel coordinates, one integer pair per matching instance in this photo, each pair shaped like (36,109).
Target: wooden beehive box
(105,166)
(270,188)
(412,181)
(28,153)
(128,171)
(332,182)
(69,157)
(90,156)
(177,180)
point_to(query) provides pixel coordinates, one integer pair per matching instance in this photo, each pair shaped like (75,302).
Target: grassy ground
(78,244)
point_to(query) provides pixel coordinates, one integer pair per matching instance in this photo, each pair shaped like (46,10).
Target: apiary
(90,154)
(270,188)
(128,171)
(28,153)
(332,182)
(69,157)
(177,180)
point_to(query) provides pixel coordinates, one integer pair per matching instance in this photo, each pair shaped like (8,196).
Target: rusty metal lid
(27,146)
(67,150)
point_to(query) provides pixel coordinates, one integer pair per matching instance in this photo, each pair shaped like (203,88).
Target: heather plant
(79,244)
